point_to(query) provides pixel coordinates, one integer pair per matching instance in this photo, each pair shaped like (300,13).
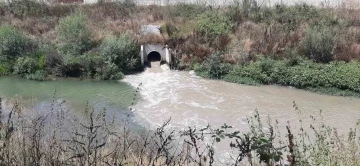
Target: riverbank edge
(234,75)
(318,90)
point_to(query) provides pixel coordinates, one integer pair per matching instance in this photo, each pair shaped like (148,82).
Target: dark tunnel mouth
(154,56)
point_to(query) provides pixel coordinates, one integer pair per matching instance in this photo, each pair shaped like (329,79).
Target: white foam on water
(193,101)
(161,94)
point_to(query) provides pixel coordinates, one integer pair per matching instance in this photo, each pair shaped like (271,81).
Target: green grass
(335,78)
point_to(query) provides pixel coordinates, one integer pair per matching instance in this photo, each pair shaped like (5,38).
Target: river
(193,101)
(188,100)
(40,97)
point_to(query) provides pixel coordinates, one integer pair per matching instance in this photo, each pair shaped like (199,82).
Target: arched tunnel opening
(154,56)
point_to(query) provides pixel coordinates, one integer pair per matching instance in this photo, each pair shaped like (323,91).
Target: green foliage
(213,24)
(259,71)
(186,11)
(318,44)
(25,65)
(39,75)
(26,8)
(213,67)
(74,35)
(121,51)
(4,69)
(13,43)
(117,9)
(241,10)
(292,16)
(240,79)
(109,72)
(41,61)
(334,78)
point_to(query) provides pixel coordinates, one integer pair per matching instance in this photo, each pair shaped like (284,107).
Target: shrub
(41,61)
(13,43)
(52,58)
(39,75)
(213,67)
(60,10)
(241,10)
(4,69)
(109,72)
(122,51)
(24,8)
(240,80)
(337,78)
(117,9)
(186,11)
(25,65)
(318,44)
(213,24)
(74,35)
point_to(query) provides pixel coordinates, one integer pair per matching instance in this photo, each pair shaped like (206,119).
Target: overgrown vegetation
(337,78)
(74,35)
(13,43)
(60,138)
(102,40)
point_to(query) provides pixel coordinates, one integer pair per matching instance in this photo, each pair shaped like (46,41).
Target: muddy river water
(193,101)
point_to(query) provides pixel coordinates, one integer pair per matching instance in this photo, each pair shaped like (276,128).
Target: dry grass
(58,137)
(249,36)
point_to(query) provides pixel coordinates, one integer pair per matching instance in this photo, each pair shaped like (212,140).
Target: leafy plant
(4,69)
(121,51)
(26,8)
(13,43)
(108,72)
(39,75)
(74,35)
(213,24)
(25,65)
(318,44)
(213,67)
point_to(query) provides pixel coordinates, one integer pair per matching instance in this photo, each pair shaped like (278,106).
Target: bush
(121,51)
(260,71)
(213,24)
(116,10)
(74,35)
(24,8)
(13,43)
(25,65)
(186,11)
(41,61)
(213,67)
(318,44)
(335,78)
(39,75)
(4,69)
(241,10)
(109,72)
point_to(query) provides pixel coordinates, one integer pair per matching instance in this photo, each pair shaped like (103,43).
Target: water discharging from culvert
(193,101)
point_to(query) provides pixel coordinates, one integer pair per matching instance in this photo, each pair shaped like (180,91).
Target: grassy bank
(102,41)
(335,78)
(60,138)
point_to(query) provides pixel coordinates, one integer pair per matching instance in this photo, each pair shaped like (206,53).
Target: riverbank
(56,136)
(335,78)
(102,41)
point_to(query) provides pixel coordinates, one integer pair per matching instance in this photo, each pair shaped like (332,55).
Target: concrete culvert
(154,56)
